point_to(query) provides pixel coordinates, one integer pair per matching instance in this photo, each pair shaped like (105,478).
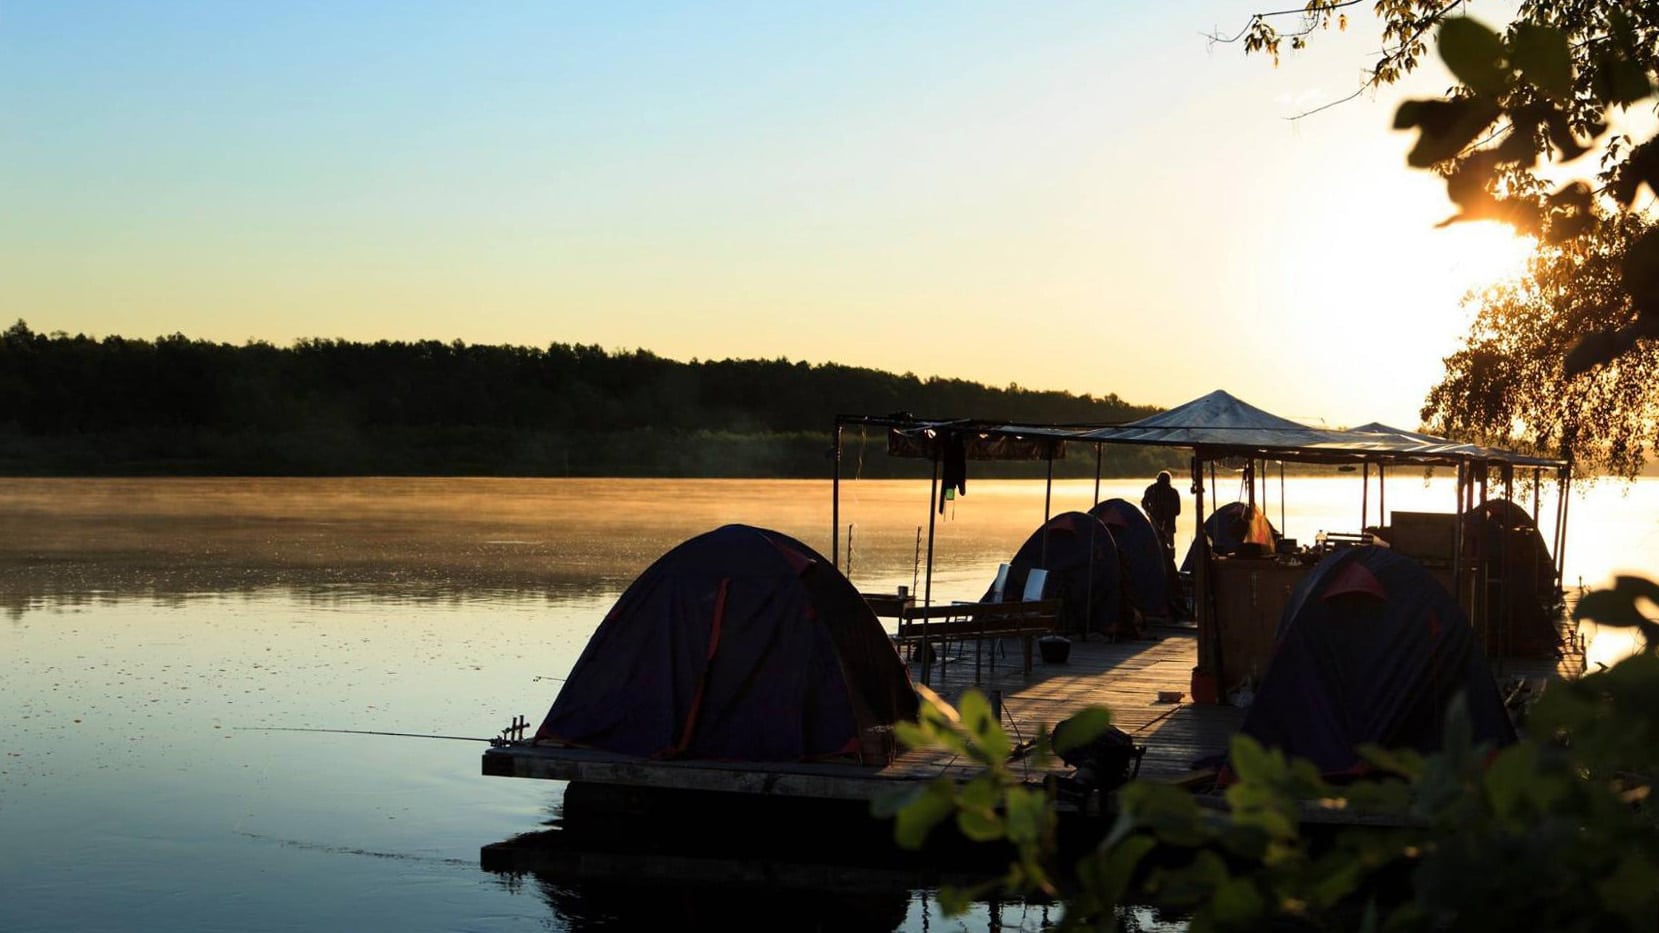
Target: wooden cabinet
(1250,597)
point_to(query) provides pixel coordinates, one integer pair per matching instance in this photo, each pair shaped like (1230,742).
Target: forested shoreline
(78,405)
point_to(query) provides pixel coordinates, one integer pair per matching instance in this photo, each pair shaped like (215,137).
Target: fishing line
(403,735)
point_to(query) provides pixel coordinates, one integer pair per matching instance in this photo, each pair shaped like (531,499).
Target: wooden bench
(980,621)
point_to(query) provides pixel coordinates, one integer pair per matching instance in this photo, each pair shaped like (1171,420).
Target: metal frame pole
(1098,447)
(1364,495)
(1048,487)
(835,501)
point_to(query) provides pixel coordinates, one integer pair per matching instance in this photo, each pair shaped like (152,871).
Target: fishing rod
(403,735)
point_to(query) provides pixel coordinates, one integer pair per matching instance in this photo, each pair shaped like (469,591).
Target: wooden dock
(1126,676)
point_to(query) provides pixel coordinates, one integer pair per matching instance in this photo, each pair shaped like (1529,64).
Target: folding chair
(1034,586)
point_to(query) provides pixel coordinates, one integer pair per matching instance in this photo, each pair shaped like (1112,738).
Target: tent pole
(835,501)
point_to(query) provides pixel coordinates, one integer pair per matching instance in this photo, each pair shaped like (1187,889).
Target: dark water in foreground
(152,629)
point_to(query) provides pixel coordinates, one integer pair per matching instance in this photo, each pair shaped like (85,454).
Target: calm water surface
(153,628)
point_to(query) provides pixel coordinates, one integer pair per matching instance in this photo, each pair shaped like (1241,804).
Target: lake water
(153,628)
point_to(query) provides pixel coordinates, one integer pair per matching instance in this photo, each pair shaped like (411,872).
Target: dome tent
(739,644)
(1083,568)
(1231,526)
(1371,649)
(1146,570)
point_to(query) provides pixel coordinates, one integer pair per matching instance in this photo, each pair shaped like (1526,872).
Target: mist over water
(151,627)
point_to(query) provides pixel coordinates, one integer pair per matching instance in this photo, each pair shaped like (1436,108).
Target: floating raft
(1126,676)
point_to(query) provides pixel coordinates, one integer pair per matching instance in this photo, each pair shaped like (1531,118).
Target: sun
(1482,254)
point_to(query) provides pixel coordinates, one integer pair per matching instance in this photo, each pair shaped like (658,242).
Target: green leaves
(1475,55)
(1543,58)
(1446,127)
(919,810)
(1081,729)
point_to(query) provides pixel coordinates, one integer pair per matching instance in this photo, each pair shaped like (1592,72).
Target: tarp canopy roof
(1215,425)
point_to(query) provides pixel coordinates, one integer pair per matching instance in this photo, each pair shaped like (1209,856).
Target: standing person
(1162,503)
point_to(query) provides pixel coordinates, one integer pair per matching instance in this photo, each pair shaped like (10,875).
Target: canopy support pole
(835,501)
(927,585)
(1566,501)
(1457,537)
(1536,484)
(1382,496)
(1098,448)
(1048,486)
(1282,528)
(1202,606)
(1364,495)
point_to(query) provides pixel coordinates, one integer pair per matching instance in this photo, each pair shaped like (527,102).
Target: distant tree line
(77,404)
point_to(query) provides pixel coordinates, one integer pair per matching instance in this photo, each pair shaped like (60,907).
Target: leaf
(1027,816)
(1641,167)
(1114,868)
(887,803)
(1542,55)
(1254,763)
(1237,903)
(1630,890)
(918,818)
(955,901)
(1474,54)
(1168,811)
(1081,729)
(1621,81)
(912,735)
(1447,127)
(1617,606)
(1562,136)
(987,740)
(1195,883)
(979,825)
(1506,779)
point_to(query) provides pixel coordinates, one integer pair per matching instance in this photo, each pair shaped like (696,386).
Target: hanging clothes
(953,455)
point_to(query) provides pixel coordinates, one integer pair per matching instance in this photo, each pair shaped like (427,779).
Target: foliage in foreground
(1556,832)
(1537,100)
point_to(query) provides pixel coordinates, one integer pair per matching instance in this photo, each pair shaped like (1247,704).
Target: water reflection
(703,862)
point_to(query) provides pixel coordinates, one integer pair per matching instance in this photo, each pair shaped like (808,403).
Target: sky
(1085,196)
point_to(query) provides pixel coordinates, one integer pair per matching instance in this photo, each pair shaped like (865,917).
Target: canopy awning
(1214,425)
